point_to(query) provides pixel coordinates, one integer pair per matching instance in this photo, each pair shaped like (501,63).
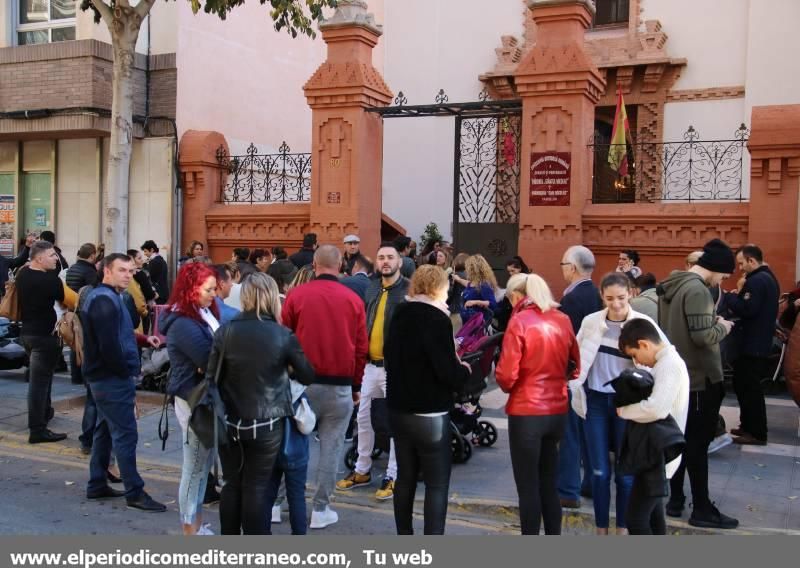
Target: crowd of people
(302,342)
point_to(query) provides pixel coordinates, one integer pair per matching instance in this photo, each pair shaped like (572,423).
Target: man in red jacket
(329,320)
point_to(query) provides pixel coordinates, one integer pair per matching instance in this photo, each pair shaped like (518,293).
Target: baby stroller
(465,425)
(379,417)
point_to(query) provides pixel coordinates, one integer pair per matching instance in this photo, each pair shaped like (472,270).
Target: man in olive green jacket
(687,316)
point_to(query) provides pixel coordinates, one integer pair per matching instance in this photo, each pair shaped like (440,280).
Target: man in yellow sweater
(382,297)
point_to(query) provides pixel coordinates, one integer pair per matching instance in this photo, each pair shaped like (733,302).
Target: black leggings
(421,443)
(247,469)
(645,514)
(534,458)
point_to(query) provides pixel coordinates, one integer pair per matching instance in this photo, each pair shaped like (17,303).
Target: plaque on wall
(550,177)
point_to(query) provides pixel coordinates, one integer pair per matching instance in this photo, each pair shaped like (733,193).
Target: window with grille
(45,21)
(609,12)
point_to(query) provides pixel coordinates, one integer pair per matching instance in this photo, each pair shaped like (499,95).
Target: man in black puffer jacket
(83,272)
(756,304)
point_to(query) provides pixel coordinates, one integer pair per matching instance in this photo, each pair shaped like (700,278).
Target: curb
(583,518)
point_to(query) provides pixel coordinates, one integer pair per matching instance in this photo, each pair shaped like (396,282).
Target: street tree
(124,19)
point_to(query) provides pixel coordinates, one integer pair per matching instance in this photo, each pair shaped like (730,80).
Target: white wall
(711,34)
(243,79)
(714,120)
(78,210)
(151,198)
(773,44)
(430,46)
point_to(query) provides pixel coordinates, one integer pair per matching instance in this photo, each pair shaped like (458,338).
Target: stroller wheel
(350,458)
(488,435)
(458,445)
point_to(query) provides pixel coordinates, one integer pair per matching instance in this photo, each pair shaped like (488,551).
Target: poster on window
(7,219)
(550,178)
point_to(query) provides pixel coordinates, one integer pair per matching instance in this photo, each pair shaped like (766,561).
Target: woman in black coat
(422,373)
(255,353)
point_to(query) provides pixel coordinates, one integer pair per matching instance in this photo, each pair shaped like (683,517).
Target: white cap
(351,239)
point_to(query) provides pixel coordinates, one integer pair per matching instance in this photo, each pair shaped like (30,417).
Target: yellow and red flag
(618,150)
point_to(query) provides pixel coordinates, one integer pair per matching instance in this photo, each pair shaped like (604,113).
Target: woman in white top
(593,399)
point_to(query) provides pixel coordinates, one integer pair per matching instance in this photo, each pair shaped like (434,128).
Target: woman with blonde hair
(479,289)
(422,373)
(302,276)
(539,351)
(257,397)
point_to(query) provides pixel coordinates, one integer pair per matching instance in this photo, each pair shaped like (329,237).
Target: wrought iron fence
(265,178)
(691,170)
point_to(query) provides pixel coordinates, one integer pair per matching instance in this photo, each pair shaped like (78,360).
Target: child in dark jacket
(292,463)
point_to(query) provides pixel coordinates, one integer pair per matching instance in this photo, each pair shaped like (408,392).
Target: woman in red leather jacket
(539,352)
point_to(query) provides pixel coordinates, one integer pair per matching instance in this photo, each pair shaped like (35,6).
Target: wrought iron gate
(486,177)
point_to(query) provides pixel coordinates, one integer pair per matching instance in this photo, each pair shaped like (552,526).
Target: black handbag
(207,420)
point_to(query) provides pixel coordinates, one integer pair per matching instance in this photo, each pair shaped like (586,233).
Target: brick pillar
(559,86)
(200,174)
(774,184)
(346,140)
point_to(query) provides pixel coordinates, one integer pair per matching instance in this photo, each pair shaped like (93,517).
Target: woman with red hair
(191,319)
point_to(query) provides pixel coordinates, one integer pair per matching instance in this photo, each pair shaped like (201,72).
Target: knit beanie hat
(718,257)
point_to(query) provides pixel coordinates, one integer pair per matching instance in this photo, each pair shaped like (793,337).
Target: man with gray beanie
(687,316)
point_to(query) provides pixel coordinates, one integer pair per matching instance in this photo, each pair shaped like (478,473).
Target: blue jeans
(197,461)
(604,432)
(295,495)
(89,419)
(572,452)
(116,427)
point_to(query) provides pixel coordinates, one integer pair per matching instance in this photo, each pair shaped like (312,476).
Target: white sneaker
(276,514)
(720,442)
(321,519)
(205,530)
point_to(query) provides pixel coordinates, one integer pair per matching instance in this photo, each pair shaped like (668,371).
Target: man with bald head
(330,322)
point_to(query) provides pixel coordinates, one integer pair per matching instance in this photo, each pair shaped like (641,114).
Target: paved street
(43,486)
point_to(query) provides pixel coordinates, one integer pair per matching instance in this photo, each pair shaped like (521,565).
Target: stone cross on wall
(551,127)
(335,137)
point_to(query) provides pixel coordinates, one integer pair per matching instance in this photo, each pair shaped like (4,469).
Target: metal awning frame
(477,109)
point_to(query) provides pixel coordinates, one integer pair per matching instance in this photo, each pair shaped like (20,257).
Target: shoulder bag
(207,420)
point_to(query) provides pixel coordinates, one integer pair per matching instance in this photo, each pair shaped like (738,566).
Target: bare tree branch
(143,7)
(105,11)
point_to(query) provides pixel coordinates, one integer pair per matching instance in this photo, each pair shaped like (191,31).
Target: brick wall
(79,74)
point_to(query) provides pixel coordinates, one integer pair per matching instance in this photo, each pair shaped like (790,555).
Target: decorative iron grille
(691,170)
(265,178)
(488,161)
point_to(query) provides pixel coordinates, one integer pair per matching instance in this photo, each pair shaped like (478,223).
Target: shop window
(611,12)
(45,21)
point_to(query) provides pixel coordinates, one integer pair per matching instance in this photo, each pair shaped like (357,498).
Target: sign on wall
(550,178)
(7,219)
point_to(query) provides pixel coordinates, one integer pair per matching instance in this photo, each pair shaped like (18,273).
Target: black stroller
(379,417)
(465,425)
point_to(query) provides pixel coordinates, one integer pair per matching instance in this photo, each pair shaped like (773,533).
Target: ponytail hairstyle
(539,293)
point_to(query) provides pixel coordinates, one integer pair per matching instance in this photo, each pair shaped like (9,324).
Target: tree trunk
(124,33)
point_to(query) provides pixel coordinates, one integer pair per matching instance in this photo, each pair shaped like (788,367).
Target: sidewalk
(758,485)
